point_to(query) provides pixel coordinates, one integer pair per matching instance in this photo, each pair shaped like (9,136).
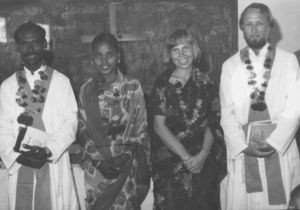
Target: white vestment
(60,120)
(283,104)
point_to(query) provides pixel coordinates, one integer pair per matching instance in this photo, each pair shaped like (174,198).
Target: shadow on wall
(297,53)
(276,34)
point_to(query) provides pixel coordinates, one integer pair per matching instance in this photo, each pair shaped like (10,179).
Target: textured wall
(143,26)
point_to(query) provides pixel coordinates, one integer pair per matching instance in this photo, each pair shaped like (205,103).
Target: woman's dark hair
(28,26)
(264,9)
(112,41)
(107,38)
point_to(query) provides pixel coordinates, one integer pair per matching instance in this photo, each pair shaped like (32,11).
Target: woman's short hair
(107,38)
(264,9)
(180,36)
(28,26)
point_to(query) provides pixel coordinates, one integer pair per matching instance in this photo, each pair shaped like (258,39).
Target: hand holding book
(257,132)
(35,157)
(31,137)
(31,143)
(259,151)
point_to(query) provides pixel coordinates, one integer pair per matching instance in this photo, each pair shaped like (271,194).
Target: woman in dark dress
(183,159)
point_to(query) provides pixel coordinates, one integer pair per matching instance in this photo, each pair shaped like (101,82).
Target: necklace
(193,114)
(32,100)
(258,90)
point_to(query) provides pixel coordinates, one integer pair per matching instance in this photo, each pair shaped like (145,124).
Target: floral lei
(37,96)
(259,90)
(200,79)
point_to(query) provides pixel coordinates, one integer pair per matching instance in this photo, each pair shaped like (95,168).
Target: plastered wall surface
(141,27)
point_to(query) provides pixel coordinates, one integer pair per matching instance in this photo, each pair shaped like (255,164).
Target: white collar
(27,71)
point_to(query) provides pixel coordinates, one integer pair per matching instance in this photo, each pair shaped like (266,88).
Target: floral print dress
(187,112)
(112,119)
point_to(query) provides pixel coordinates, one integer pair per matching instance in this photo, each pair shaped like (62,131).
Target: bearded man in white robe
(259,83)
(37,98)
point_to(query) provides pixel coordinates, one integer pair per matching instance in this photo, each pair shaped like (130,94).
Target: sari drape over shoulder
(112,122)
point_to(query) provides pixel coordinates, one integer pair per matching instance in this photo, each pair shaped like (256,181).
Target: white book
(260,129)
(34,137)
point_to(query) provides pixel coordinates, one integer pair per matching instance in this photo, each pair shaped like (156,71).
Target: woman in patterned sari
(112,133)
(184,171)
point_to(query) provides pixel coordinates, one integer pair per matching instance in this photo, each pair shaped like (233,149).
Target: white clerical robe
(283,101)
(60,119)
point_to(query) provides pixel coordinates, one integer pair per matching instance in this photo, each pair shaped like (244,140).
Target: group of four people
(257,83)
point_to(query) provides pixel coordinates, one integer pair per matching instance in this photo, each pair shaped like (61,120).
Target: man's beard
(255,44)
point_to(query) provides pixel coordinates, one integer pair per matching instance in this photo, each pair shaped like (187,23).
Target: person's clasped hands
(259,148)
(34,157)
(195,163)
(111,168)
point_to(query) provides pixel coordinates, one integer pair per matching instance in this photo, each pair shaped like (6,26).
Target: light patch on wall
(3,30)
(47,29)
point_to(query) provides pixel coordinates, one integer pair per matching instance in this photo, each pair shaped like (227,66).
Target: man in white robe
(281,96)
(58,118)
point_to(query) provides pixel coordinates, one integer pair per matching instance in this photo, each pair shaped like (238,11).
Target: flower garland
(201,80)
(34,101)
(259,91)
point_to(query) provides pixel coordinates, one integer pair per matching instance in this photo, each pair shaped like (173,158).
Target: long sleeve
(234,135)
(7,135)
(288,121)
(66,134)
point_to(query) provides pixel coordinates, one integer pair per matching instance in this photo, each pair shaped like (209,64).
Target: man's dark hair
(28,26)
(264,9)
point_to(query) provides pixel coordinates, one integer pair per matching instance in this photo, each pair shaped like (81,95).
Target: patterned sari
(112,120)
(188,113)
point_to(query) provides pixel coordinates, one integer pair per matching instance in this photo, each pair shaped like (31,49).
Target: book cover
(33,137)
(260,130)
